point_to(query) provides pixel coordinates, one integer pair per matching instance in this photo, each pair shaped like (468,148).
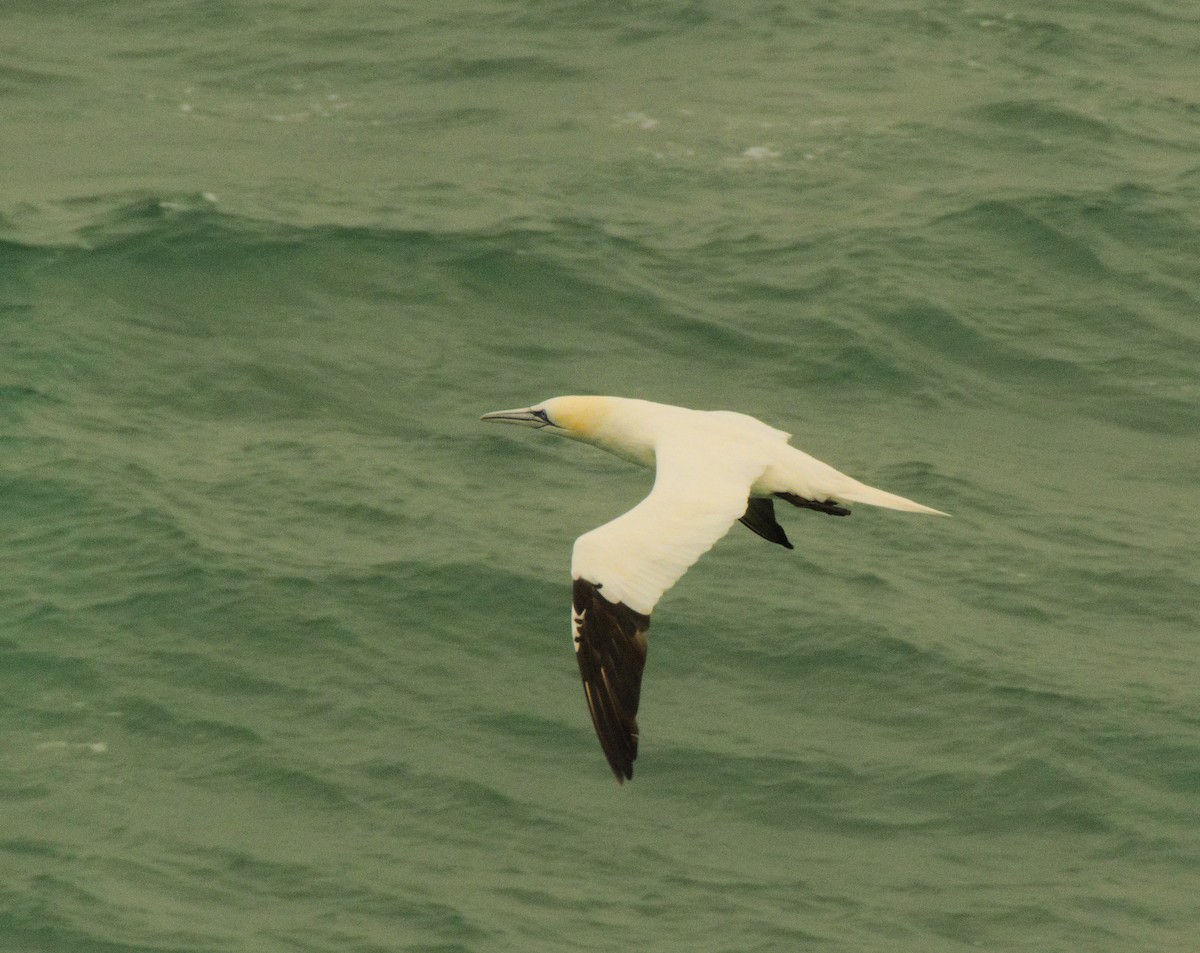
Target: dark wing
(610,646)
(760,518)
(760,515)
(821,506)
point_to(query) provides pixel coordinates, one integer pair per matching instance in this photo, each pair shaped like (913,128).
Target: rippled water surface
(284,656)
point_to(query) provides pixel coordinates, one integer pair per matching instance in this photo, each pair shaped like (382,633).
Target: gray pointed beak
(524,417)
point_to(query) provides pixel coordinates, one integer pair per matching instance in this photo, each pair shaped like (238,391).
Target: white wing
(698,494)
(623,567)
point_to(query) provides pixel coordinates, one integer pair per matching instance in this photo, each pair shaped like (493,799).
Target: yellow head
(580,417)
(577,417)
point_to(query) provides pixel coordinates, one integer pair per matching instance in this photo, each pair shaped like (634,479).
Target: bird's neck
(625,428)
(639,452)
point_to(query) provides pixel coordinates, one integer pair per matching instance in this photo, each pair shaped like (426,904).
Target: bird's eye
(542,415)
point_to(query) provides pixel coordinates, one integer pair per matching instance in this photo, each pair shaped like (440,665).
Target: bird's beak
(524,417)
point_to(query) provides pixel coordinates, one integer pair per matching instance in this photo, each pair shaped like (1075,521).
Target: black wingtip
(821,506)
(610,647)
(760,518)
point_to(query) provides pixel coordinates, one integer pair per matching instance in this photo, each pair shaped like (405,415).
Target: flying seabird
(712,469)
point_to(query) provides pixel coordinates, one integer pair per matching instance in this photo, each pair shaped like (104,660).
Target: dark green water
(284,645)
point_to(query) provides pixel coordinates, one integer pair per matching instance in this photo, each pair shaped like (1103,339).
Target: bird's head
(576,417)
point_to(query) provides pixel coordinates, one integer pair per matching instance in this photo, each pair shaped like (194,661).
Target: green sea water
(285,661)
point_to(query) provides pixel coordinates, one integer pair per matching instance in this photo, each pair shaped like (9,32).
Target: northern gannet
(712,469)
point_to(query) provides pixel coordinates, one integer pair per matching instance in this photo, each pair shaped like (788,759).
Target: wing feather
(622,568)
(697,497)
(610,646)
(760,518)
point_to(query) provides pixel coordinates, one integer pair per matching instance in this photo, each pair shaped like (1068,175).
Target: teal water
(284,644)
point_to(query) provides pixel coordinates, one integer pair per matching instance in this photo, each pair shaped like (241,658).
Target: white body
(709,463)
(634,430)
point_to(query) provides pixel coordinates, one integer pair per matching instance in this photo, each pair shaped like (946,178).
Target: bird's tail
(807,477)
(855,492)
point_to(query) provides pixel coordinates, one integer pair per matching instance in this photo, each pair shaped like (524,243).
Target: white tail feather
(861,493)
